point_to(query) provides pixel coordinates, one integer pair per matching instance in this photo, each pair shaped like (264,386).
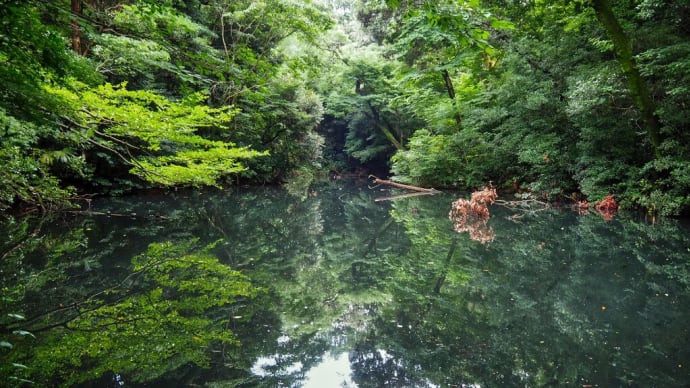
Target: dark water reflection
(262,288)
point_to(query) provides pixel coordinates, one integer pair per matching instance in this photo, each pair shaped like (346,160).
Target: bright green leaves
(156,136)
(111,139)
(437,34)
(163,315)
(196,168)
(276,19)
(430,160)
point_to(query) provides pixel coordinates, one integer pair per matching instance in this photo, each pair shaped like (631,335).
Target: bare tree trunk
(636,84)
(76,29)
(451,93)
(444,273)
(449,84)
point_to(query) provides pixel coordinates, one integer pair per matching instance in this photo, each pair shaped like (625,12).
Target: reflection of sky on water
(332,371)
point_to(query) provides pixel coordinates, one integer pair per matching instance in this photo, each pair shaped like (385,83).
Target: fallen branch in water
(404,196)
(402,186)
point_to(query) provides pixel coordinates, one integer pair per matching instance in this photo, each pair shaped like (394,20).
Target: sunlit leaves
(161,131)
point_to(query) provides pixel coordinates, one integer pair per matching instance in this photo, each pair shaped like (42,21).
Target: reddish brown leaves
(607,207)
(472,216)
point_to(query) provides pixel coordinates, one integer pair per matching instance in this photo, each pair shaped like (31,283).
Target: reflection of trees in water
(372,367)
(169,310)
(538,308)
(413,302)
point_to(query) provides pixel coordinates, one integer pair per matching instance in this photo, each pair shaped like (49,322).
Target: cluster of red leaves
(607,207)
(472,216)
(485,196)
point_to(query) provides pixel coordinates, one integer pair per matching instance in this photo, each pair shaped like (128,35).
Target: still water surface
(331,288)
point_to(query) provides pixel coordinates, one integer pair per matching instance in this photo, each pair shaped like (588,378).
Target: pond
(333,287)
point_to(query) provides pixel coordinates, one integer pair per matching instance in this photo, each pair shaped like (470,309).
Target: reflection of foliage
(551,306)
(408,299)
(158,318)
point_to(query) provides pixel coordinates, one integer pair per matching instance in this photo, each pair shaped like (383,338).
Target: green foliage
(120,139)
(366,103)
(552,111)
(430,160)
(160,317)
(661,187)
(283,124)
(26,173)
(156,47)
(162,132)
(125,56)
(528,95)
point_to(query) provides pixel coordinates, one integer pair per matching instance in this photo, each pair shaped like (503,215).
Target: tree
(161,132)
(636,84)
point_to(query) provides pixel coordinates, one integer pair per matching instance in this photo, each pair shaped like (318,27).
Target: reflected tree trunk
(449,257)
(370,245)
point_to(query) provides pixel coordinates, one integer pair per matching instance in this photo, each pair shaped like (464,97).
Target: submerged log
(405,187)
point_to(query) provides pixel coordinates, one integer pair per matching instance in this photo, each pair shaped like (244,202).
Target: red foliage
(608,204)
(485,196)
(607,207)
(472,216)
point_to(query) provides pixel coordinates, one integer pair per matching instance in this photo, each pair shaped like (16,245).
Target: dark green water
(257,287)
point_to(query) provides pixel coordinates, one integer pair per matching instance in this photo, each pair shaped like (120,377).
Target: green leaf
(502,24)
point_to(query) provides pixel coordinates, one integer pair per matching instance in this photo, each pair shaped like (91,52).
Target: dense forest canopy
(558,100)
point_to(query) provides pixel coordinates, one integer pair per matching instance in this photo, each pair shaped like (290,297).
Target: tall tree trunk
(384,129)
(636,84)
(76,29)
(451,93)
(449,84)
